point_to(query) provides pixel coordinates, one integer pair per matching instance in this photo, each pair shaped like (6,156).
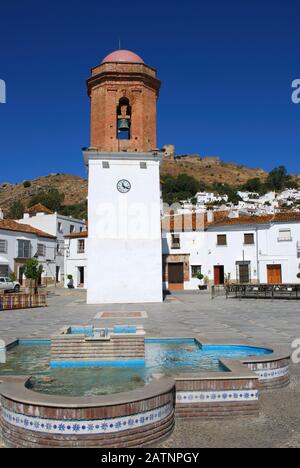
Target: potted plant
(33,271)
(201,277)
(71,282)
(298,275)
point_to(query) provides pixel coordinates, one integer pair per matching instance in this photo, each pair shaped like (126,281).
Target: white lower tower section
(124,243)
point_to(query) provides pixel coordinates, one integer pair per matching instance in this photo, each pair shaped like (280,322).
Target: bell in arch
(124,125)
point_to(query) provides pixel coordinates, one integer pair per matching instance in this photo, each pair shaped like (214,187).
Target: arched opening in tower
(124,119)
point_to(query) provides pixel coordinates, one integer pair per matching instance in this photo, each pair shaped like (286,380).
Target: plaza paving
(262,321)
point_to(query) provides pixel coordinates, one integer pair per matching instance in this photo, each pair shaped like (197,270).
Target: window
(175,243)
(72,228)
(196,270)
(60,228)
(4,270)
(24,249)
(222,239)
(285,235)
(41,250)
(3,246)
(81,246)
(249,239)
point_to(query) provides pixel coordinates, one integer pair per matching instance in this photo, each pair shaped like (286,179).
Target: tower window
(124,119)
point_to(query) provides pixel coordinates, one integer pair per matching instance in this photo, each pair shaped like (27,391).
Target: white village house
(18,243)
(246,249)
(263,249)
(57,225)
(75,253)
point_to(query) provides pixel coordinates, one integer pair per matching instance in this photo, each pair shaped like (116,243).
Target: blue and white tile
(216,396)
(86,427)
(268,374)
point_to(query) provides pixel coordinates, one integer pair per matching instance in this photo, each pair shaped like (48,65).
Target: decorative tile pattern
(268,374)
(86,427)
(216,397)
(121,314)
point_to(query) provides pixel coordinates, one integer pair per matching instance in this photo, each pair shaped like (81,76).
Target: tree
(32,271)
(79,210)
(254,185)
(279,179)
(16,211)
(182,187)
(51,199)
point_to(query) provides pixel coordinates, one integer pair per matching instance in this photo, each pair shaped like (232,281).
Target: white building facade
(124,242)
(20,243)
(75,253)
(244,250)
(57,225)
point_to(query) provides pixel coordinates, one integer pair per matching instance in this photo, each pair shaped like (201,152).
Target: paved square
(266,321)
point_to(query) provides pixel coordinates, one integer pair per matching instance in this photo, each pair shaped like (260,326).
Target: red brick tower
(123,92)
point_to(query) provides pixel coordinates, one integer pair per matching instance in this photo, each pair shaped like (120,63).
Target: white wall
(235,251)
(267,250)
(192,243)
(124,244)
(272,251)
(49,223)
(74,260)
(12,237)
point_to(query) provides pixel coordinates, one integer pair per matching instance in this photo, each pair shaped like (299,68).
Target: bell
(124,125)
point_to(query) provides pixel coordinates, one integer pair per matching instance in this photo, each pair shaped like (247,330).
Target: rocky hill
(208,170)
(73,187)
(211,169)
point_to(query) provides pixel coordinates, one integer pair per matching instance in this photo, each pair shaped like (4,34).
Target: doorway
(81,277)
(274,274)
(21,275)
(176,276)
(243,273)
(57,279)
(219,275)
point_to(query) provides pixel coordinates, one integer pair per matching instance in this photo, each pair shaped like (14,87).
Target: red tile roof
(10,225)
(199,221)
(77,235)
(38,208)
(255,220)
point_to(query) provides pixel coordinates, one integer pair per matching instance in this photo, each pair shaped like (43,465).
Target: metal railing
(263,291)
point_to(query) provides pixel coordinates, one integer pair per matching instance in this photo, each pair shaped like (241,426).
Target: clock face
(124,186)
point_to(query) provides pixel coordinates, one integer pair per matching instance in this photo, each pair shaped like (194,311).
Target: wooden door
(175,276)
(274,274)
(219,277)
(244,273)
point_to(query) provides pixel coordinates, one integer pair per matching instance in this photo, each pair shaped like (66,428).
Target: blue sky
(226,69)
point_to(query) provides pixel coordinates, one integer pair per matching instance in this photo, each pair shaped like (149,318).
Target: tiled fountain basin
(140,417)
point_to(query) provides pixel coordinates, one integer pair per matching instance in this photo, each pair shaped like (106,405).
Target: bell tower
(123,92)
(124,241)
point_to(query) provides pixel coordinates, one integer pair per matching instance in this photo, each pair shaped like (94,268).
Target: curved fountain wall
(135,419)
(140,417)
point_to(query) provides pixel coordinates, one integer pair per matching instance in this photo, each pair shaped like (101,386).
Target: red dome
(123,56)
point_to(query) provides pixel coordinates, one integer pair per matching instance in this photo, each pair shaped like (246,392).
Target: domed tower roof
(124,56)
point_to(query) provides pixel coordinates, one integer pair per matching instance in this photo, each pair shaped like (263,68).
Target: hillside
(208,170)
(73,187)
